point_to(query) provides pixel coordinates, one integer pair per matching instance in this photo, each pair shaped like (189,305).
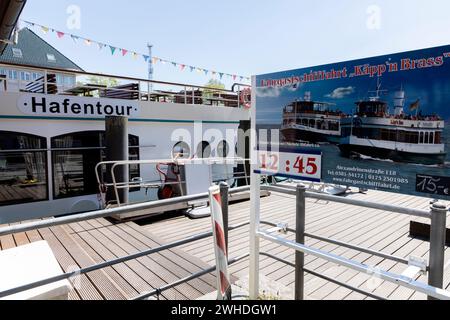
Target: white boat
(311,121)
(372,131)
(52,136)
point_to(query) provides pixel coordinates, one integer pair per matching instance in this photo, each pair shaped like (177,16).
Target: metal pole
(300,238)
(224,188)
(116,141)
(255,188)
(437,245)
(150,66)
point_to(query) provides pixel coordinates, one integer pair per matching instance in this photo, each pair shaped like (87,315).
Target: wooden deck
(86,243)
(378,230)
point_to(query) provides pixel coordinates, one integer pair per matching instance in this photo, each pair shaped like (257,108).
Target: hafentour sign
(75,107)
(376,123)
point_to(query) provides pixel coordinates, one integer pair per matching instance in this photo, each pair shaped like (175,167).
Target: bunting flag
(135,55)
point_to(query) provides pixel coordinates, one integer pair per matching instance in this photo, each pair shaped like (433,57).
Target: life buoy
(246,98)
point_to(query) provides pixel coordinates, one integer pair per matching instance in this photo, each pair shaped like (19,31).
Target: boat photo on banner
(379,123)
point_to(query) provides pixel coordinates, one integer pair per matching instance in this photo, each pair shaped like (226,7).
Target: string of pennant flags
(114,50)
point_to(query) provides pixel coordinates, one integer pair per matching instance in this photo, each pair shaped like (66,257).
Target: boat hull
(298,135)
(351,150)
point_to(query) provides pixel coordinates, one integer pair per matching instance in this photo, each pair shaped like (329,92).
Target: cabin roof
(35,52)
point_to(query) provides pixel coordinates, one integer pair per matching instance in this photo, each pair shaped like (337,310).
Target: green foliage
(109,82)
(213,87)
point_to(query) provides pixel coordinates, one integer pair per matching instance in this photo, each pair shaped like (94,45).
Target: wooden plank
(115,276)
(101,280)
(86,290)
(108,251)
(161,270)
(182,263)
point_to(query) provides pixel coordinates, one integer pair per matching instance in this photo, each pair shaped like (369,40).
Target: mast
(150,65)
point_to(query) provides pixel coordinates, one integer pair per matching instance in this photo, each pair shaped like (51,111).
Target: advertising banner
(377,123)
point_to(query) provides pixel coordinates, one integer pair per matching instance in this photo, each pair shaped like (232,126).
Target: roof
(34,53)
(9,14)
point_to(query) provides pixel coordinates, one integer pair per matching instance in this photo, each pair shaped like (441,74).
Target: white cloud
(275,92)
(340,93)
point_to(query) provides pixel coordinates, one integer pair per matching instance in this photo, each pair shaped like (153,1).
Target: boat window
(181,150)
(312,123)
(427,137)
(23,168)
(437,137)
(421,137)
(203,150)
(222,149)
(74,157)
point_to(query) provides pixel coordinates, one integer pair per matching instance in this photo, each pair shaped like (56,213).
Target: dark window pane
(23,174)
(74,168)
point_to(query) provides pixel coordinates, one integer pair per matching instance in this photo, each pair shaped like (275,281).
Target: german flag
(415,106)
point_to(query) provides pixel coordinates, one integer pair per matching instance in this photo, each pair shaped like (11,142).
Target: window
(51,57)
(12,74)
(17,53)
(181,150)
(23,168)
(222,149)
(25,76)
(203,150)
(74,159)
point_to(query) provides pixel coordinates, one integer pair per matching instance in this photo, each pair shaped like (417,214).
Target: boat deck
(374,229)
(86,243)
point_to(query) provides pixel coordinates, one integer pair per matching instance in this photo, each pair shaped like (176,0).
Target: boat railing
(117,186)
(23,78)
(408,279)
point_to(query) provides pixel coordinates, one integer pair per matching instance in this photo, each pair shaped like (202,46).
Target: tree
(214,86)
(109,82)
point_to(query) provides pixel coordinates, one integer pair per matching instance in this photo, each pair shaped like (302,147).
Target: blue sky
(244,37)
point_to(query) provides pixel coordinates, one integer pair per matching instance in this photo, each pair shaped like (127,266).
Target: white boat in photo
(311,121)
(374,132)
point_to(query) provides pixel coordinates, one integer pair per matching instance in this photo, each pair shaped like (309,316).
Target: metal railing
(437,215)
(136,88)
(137,183)
(110,212)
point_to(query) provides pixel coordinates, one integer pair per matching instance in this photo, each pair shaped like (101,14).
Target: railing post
(224,189)
(437,245)
(300,238)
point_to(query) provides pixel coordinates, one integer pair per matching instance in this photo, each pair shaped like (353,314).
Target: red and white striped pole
(220,248)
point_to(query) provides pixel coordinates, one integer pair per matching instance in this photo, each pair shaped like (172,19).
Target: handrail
(385,275)
(437,215)
(107,212)
(105,75)
(355,202)
(112,262)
